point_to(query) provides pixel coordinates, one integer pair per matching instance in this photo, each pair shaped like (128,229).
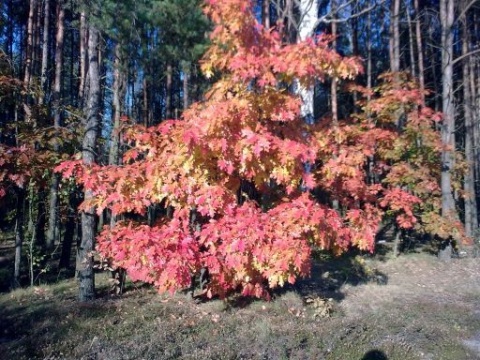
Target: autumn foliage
(234,173)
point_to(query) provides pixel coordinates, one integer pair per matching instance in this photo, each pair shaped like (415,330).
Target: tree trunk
(53,223)
(411,45)
(40,220)
(333,87)
(118,96)
(395,36)
(168,92)
(45,44)
(85,271)
(119,84)
(18,237)
(186,77)
(146,103)
(266,13)
(418,36)
(308,11)
(475,92)
(369,54)
(29,58)
(333,90)
(448,126)
(70,231)
(468,105)
(83,59)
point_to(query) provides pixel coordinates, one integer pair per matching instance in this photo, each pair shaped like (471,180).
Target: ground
(410,307)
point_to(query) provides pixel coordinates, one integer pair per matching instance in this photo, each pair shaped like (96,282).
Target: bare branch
(460,58)
(332,16)
(466,8)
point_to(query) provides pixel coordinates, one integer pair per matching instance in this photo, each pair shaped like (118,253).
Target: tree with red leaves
(233,169)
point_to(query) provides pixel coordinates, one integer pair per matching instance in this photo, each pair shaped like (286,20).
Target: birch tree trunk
(308,15)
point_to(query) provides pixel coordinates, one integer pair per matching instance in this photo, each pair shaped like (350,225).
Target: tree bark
(471,223)
(45,44)
(119,83)
(18,237)
(83,59)
(395,36)
(448,126)
(266,13)
(85,271)
(168,92)
(418,36)
(70,231)
(411,44)
(29,58)
(333,87)
(53,223)
(308,13)
(186,77)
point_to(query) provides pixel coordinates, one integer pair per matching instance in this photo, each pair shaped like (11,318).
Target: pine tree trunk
(41,220)
(418,36)
(395,36)
(70,230)
(411,44)
(118,89)
(85,271)
(29,58)
(83,59)
(146,103)
(168,92)
(186,77)
(448,126)
(18,237)
(468,105)
(45,44)
(53,223)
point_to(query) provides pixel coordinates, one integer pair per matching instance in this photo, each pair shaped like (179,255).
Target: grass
(419,309)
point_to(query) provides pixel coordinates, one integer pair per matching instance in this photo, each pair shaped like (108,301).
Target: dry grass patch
(426,310)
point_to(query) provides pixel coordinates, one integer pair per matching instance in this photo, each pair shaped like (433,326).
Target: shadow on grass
(329,273)
(375,355)
(36,324)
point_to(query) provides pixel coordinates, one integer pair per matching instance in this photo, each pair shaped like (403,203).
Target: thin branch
(332,18)
(460,58)
(465,9)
